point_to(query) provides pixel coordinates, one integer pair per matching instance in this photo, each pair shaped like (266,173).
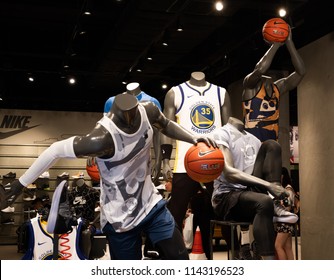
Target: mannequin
(251,170)
(135,90)
(83,199)
(261,93)
(121,143)
(189,103)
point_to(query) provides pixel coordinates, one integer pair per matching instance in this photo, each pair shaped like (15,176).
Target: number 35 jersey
(198,109)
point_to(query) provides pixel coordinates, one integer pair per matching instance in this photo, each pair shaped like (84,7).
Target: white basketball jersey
(197,110)
(41,243)
(127,191)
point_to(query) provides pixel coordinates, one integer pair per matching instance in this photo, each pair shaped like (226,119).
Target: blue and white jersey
(198,109)
(244,148)
(127,191)
(40,244)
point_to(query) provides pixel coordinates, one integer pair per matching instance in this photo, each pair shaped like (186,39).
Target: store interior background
(42,37)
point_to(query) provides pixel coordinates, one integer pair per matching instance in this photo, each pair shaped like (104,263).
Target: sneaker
(9,209)
(9,194)
(11,175)
(9,221)
(32,186)
(28,195)
(45,174)
(79,175)
(64,175)
(61,219)
(283,216)
(245,252)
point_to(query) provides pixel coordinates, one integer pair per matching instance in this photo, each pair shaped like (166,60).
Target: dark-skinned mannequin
(189,103)
(135,90)
(251,171)
(83,199)
(121,143)
(261,94)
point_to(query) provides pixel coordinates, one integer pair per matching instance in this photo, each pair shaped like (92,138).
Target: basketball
(202,163)
(275,30)
(93,172)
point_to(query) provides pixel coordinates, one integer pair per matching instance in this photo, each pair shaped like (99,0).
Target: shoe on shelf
(61,217)
(245,252)
(283,216)
(32,186)
(9,221)
(45,174)
(79,175)
(28,194)
(11,175)
(63,175)
(9,209)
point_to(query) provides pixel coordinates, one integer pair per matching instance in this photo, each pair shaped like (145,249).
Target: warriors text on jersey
(198,112)
(127,191)
(261,114)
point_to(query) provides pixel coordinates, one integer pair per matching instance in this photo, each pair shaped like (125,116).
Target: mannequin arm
(292,81)
(261,67)
(234,175)
(169,112)
(156,169)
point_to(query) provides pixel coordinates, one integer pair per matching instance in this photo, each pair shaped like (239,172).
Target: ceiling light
(179,26)
(71,81)
(30,77)
(282,12)
(219,6)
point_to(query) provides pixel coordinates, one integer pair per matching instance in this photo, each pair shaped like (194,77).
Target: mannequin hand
(208,141)
(166,171)
(289,36)
(8,197)
(90,161)
(155,172)
(278,191)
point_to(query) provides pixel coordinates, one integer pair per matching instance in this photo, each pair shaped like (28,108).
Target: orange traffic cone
(197,252)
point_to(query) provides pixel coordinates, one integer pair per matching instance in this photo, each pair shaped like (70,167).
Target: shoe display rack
(14,161)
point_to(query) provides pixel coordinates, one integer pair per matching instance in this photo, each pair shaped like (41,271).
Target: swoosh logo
(4,135)
(202,154)
(41,243)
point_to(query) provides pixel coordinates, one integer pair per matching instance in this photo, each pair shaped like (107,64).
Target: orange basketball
(203,164)
(93,172)
(275,30)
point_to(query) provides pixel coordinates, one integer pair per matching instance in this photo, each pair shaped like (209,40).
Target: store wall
(25,134)
(316,150)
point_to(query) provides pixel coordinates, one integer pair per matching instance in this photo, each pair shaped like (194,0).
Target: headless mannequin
(206,95)
(263,89)
(266,167)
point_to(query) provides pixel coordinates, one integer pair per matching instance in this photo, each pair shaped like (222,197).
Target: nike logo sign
(41,243)
(4,135)
(202,154)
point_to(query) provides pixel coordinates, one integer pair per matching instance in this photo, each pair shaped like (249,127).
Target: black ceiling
(40,37)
